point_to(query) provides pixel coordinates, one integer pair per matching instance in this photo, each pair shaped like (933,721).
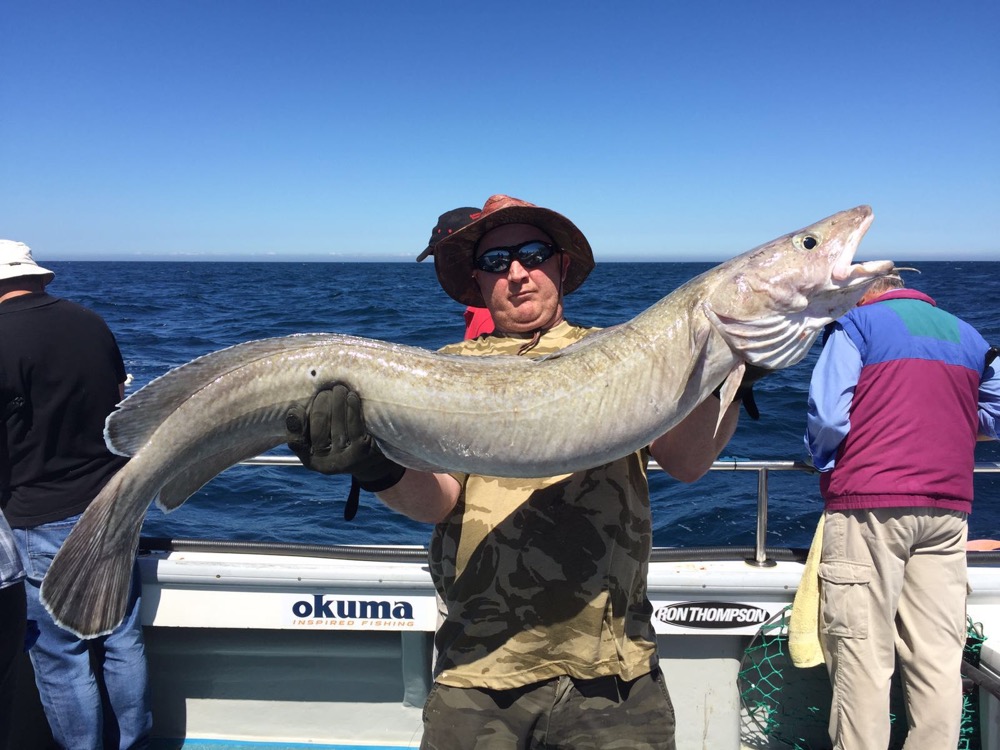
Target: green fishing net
(786,707)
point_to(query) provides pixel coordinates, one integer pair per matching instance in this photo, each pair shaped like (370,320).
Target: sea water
(165,314)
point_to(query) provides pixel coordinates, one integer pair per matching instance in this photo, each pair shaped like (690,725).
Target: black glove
(744,392)
(993,353)
(329,436)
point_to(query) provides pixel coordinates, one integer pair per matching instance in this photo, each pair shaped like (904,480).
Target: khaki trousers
(893,582)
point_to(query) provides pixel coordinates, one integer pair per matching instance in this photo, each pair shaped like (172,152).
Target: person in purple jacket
(898,398)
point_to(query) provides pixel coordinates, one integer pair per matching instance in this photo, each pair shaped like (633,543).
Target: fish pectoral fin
(193,477)
(738,332)
(728,391)
(774,341)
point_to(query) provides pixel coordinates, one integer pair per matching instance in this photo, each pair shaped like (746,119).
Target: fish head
(770,303)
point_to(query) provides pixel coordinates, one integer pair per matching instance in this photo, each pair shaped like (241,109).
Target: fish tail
(87,586)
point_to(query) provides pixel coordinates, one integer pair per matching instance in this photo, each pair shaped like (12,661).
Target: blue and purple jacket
(897,399)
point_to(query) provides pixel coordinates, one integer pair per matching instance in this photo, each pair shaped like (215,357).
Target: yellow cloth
(803,625)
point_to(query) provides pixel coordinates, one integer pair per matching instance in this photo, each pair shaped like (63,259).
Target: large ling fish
(599,400)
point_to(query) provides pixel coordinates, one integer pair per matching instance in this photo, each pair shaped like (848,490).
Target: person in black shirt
(61,374)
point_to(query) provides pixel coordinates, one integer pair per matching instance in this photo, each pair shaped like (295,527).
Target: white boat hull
(337,653)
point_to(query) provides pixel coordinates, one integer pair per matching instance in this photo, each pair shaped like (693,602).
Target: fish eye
(808,241)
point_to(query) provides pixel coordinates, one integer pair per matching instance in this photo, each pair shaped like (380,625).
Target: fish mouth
(845,272)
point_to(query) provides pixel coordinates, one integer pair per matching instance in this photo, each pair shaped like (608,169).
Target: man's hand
(329,436)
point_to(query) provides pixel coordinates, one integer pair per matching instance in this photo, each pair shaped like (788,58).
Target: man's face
(522,299)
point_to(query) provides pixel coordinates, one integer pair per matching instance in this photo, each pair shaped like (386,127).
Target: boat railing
(760,555)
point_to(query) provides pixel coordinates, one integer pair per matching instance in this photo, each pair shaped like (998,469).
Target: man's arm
(687,451)
(423,496)
(831,391)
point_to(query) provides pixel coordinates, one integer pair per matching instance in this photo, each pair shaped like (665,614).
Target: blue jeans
(95,692)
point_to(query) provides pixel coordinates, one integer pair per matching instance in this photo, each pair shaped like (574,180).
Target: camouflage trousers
(602,714)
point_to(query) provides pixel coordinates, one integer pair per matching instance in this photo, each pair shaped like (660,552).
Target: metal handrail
(763,469)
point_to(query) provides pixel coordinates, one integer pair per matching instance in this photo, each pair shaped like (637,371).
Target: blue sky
(308,129)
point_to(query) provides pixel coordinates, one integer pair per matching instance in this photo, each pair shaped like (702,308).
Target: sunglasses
(529,254)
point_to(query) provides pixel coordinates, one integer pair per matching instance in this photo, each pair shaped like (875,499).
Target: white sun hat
(16,260)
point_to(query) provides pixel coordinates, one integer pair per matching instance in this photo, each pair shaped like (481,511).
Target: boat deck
(292,646)
(337,652)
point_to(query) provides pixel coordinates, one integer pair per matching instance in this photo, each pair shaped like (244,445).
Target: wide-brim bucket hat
(448,223)
(16,261)
(453,255)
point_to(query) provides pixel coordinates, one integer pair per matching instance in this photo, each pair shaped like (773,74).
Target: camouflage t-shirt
(544,577)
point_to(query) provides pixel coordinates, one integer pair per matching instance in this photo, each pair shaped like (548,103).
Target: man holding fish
(546,639)
(531,461)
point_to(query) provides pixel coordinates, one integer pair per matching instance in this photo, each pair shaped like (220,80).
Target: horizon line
(396,259)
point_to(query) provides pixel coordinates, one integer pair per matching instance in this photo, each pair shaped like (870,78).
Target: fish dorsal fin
(129,427)
(586,342)
(773,342)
